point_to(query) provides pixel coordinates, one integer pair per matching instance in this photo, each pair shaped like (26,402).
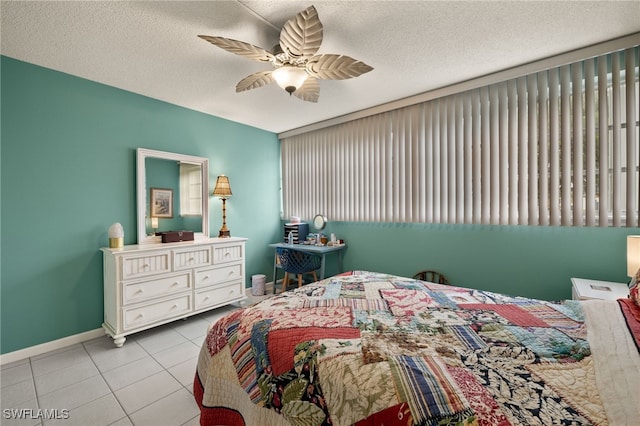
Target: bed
(367,348)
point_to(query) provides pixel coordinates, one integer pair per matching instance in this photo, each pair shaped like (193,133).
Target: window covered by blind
(558,147)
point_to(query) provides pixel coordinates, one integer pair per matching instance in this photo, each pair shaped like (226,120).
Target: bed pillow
(634,288)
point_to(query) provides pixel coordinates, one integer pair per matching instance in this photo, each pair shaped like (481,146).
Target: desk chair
(432,277)
(298,263)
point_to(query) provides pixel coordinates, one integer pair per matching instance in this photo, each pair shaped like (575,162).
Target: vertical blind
(558,147)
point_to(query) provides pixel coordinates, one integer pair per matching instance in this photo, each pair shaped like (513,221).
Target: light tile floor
(148,381)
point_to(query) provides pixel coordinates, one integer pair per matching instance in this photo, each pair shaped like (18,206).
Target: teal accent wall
(531,261)
(68,172)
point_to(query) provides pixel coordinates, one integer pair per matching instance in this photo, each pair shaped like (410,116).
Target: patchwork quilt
(368,348)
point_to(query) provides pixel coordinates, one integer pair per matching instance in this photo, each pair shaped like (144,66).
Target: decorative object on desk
(223,190)
(116,236)
(154,225)
(299,231)
(298,263)
(161,202)
(176,236)
(319,222)
(633,254)
(334,241)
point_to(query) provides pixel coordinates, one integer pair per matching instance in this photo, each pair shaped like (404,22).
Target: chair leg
(285,281)
(299,280)
(315,277)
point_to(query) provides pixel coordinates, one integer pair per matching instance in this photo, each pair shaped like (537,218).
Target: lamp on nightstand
(223,190)
(633,254)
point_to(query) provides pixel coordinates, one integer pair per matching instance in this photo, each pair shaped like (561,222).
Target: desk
(322,250)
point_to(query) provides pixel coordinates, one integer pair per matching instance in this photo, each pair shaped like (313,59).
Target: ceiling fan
(297,68)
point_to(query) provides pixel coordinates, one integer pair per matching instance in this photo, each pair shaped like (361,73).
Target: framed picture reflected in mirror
(161,204)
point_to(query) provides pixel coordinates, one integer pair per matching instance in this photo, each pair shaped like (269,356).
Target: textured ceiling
(151,47)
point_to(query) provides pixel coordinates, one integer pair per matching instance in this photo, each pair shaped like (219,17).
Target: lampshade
(116,231)
(222,188)
(154,222)
(633,254)
(290,78)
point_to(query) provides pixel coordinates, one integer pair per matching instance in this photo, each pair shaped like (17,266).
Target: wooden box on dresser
(151,284)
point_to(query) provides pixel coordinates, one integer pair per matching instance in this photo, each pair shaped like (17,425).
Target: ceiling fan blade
(254,81)
(309,91)
(302,34)
(239,48)
(336,67)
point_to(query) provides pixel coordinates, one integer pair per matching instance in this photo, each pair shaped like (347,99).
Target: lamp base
(116,242)
(224,233)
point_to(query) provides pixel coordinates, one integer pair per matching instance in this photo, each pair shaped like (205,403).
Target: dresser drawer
(228,253)
(161,286)
(222,274)
(134,267)
(191,258)
(148,314)
(218,295)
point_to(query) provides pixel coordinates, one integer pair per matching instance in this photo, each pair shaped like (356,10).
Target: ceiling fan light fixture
(289,77)
(297,66)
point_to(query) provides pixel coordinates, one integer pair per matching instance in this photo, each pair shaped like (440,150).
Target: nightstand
(583,289)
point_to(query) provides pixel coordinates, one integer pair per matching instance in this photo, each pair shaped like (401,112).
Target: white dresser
(151,284)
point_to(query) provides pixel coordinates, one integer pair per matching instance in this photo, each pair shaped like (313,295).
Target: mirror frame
(141,189)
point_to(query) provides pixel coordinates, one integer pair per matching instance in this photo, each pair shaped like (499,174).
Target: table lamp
(223,190)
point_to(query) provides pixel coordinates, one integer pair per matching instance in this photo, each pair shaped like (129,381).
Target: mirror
(172,194)
(319,222)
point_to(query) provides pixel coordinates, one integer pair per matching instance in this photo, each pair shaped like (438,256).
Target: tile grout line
(35,389)
(109,387)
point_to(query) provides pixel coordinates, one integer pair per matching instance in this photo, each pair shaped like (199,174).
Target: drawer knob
(175,283)
(227,253)
(174,307)
(206,277)
(140,290)
(146,265)
(205,299)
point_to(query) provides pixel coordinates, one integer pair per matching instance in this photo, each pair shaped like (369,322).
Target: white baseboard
(77,338)
(50,346)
